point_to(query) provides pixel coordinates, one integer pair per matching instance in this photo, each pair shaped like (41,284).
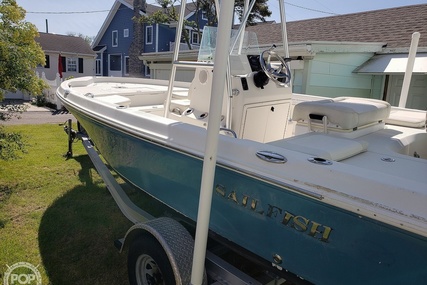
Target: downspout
(157,37)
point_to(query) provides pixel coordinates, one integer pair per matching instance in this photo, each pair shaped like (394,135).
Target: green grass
(56,213)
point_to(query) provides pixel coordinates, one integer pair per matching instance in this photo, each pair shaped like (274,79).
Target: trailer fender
(175,240)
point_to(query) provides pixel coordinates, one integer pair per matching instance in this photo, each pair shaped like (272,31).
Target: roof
(393,63)
(392,26)
(150,8)
(190,7)
(64,44)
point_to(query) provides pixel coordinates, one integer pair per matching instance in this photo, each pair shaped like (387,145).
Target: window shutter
(64,63)
(47,65)
(80,65)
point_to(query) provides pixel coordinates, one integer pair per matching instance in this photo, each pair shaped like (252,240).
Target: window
(126,33)
(71,64)
(149,35)
(204,16)
(195,37)
(98,70)
(115,38)
(115,62)
(126,65)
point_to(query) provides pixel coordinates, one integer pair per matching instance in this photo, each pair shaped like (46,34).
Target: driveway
(39,115)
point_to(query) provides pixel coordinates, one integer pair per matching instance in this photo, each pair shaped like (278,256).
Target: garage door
(417,97)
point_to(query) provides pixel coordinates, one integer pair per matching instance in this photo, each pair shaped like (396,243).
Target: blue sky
(89,24)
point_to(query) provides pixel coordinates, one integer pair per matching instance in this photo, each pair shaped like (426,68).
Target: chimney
(136,67)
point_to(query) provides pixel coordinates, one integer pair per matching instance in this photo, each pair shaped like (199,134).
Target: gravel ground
(39,115)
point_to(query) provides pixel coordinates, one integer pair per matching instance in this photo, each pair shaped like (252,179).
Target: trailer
(160,249)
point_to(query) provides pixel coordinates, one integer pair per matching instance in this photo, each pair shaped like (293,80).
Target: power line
(103,11)
(310,9)
(80,12)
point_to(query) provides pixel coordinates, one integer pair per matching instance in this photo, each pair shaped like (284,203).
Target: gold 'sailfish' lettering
(300,223)
(296,222)
(233,197)
(316,231)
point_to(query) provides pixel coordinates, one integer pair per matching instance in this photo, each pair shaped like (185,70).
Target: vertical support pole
(211,148)
(285,35)
(70,140)
(409,69)
(175,57)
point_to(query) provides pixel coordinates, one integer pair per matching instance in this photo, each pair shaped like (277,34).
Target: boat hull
(322,243)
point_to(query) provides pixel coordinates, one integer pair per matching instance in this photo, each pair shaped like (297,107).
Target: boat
(333,190)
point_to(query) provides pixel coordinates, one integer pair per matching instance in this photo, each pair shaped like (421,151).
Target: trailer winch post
(70,140)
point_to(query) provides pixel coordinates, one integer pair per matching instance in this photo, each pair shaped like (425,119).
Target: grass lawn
(56,213)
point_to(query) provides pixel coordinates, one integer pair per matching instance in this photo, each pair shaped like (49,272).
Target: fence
(50,93)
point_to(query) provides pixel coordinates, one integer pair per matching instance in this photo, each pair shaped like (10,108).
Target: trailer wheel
(160,252)
(148,263)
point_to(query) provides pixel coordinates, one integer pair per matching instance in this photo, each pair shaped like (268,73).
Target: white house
(66,56)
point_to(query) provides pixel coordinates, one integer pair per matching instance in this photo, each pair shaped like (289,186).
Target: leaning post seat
(348,116)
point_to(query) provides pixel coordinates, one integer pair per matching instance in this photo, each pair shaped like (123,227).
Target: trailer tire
(148,263)
(162,243)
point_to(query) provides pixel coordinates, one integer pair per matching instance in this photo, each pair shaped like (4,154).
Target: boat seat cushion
(344,112)
(407,118)
(323,146)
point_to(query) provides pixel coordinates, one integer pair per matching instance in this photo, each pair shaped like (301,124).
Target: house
(356,53)
(77,59)
(359,54)
(120,40)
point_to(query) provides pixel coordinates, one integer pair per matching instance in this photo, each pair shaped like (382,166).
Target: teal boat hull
(319,242)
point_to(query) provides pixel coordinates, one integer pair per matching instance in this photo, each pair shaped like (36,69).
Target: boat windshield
(247,45)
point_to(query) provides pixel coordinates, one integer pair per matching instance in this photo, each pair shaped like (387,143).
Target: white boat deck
(377,163)
(387,149)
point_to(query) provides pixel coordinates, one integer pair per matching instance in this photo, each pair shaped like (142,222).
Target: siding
(88,68)
(167,36)
(332,75)
(122,20)
(377,86)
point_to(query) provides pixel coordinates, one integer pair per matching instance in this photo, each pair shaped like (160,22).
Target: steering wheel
(281,75)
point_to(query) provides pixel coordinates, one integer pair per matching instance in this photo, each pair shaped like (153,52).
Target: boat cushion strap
(323,146)
(344,112)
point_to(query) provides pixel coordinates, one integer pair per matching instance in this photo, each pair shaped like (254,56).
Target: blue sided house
(117,35)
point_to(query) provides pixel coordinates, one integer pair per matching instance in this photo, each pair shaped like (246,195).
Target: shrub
(11,144)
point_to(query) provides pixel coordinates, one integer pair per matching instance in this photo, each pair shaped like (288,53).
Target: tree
(19,56)
(87,39)
(258,13)
(167,15)
(19,52)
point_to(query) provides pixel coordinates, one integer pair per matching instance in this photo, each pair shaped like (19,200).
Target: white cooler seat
(344,112)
